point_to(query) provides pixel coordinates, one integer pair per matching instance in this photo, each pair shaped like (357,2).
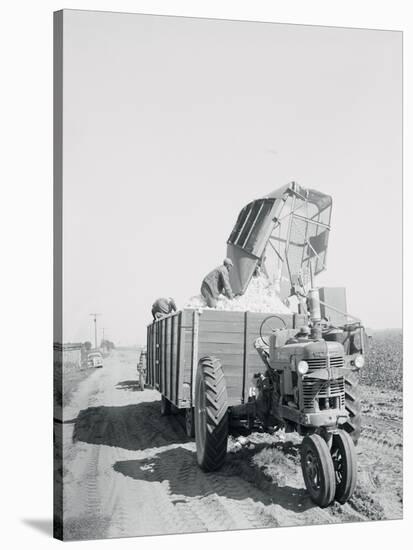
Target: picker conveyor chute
(285,234)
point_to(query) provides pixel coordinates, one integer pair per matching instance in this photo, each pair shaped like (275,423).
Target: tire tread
(353,407)
(216,438)
(345,441)
(328,485)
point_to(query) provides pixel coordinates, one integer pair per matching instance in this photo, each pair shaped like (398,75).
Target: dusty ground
(128,471)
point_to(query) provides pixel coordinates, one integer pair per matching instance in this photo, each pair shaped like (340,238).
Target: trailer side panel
(177,342)
(221,334)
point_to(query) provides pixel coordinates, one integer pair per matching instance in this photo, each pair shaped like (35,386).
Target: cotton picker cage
(285,234)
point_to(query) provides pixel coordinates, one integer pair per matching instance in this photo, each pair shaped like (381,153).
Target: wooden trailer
(176,342)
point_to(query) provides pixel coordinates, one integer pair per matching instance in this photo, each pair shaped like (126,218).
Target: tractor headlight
(302,367)
(359,361)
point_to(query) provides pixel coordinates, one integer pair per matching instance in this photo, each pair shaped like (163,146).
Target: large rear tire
(318,470)
(344,458)
(353,407)
(211,414)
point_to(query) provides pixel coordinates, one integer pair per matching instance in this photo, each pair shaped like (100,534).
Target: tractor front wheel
(344,458)
(318,470)
(211,414)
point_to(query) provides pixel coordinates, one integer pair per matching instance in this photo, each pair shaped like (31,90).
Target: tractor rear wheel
(211,414)
(318,470)
(344,458)
(353,407)
(166,409)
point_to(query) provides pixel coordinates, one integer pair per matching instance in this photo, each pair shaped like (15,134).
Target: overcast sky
(172,125)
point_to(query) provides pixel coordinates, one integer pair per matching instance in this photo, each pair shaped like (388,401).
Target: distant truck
(94,359)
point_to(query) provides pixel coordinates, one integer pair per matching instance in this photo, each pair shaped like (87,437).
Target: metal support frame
(195,334)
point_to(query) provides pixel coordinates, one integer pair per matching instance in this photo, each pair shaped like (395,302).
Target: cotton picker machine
(238,370)
(310,382)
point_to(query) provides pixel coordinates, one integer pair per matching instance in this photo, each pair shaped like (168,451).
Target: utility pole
(94,315)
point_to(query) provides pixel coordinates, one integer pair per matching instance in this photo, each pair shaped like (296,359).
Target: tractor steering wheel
(273,329)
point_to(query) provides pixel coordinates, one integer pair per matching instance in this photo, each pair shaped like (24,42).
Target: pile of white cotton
(260,296)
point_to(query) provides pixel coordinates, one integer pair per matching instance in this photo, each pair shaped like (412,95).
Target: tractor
(228,371)
(308,383)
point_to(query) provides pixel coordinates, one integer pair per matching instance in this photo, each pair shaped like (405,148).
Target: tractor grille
(326,392)
(320,362)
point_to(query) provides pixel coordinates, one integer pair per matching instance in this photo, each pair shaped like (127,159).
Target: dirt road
(128,471)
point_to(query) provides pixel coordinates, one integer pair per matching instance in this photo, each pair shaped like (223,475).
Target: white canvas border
(27,265)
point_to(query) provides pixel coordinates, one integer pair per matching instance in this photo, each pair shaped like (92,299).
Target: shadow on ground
(44,526)
(179,468)
(129,385)
(133,427)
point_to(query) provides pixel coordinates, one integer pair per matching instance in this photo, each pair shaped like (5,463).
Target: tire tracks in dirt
(380,456)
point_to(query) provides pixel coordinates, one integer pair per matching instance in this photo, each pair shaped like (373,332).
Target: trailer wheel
(353,407)
(344,458)
(318,470)
(189,423)
(165,406)
(211,414)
